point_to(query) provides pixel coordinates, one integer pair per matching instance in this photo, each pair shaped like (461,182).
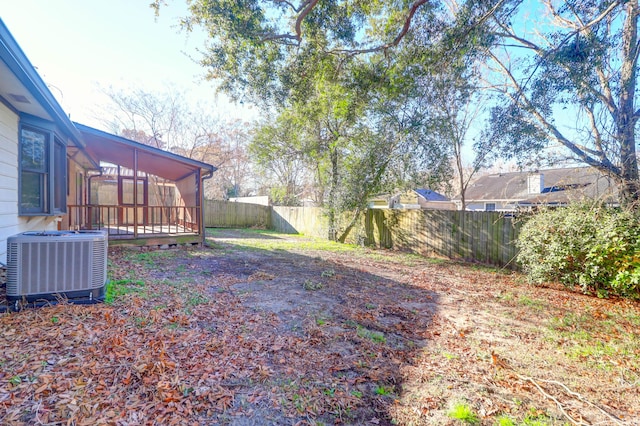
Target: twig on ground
(551,397)
(581,398)
(497,361)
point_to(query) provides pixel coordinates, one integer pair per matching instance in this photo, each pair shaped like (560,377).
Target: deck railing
(132,222)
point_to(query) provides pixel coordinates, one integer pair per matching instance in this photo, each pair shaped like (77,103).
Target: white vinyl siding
(10,222)
(8,177)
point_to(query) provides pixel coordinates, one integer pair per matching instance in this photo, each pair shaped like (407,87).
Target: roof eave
(21,67)
(92,131)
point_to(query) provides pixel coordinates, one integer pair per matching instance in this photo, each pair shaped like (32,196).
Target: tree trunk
(333,190)
(626,120)
(463,187)
(349,227)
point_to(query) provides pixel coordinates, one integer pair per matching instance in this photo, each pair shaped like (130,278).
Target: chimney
(535,183)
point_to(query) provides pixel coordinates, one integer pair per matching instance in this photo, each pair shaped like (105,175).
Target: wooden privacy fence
(225,214)
(486,237)
(302,220)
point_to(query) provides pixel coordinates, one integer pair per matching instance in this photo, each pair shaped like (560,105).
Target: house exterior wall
(499,206)
(10,222)
(437,205)
(409,198)
(378,204)
(475,206)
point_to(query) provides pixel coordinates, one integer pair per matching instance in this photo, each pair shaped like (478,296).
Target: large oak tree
(567,71)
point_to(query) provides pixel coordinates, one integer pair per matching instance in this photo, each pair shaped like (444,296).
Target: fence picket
(486,237)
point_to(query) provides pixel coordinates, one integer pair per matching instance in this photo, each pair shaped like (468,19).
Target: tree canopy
(570,78)
(353,100)
(268,51)
(565,70)
(265,48)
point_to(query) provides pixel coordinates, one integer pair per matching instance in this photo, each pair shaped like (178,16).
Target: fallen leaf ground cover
(262,328)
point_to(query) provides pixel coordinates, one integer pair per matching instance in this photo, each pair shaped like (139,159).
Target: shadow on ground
(320,335)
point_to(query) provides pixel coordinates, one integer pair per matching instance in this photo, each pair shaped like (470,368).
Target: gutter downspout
(202,225)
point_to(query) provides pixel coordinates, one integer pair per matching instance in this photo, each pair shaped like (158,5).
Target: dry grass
(230,335)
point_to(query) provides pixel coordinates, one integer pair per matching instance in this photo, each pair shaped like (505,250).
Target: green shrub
(587,245)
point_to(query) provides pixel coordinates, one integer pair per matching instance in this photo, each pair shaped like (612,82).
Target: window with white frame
(43,169)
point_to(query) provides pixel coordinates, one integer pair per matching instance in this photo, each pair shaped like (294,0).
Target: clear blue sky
(79,46)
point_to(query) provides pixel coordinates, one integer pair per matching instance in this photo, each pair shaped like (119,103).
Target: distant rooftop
(430,195)
(553,186)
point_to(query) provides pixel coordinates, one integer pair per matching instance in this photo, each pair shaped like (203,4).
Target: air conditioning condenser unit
(53,264)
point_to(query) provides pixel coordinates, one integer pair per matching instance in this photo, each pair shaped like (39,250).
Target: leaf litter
(230,334)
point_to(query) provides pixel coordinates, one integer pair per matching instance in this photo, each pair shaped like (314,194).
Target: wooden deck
(164,225)
(130,231)
(157,240)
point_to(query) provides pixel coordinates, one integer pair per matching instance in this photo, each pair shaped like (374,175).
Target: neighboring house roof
(24,91)
(118,150)
(430,195)
(551,186)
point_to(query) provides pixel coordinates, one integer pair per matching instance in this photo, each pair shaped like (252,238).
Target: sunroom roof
(103,146)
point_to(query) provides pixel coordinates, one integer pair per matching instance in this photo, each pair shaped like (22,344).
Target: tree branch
(304,9)
(403,32)
(295,9)
(606,97)
(567,22)
(523,42)
(275,37)
(405,29)
(308,8)
(542,123)
(594,128)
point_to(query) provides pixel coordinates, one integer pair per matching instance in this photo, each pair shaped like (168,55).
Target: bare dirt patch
(263,328)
